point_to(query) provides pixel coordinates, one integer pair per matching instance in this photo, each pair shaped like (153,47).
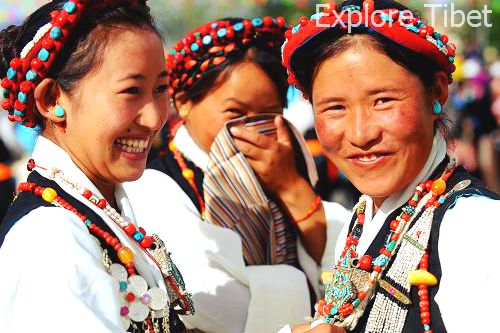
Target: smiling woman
(406,261)
(92,77)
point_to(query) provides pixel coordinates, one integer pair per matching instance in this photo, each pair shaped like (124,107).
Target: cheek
(329,133)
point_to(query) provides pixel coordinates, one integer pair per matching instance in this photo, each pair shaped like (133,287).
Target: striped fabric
(234,199)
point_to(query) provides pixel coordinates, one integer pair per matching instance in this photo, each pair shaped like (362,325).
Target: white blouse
(229,297)
(468,252)
(52,276)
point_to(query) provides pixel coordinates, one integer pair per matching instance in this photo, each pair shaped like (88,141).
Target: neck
(377,203)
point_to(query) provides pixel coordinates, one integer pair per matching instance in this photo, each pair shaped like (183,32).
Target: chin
(130,175)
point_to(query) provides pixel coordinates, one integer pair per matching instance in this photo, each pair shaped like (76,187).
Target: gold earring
(184,111)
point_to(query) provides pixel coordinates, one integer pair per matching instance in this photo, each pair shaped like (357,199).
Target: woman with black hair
(91,75)
(418,251)
(233,192)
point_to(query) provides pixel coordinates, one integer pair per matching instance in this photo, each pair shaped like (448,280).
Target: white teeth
(369,158)
(132,146)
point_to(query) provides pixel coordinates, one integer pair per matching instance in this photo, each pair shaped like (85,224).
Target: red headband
(410,32)
(212,44)
(35,60)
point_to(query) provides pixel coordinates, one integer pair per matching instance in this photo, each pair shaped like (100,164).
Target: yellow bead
(327,277)
(188,174)
(172,146)
(125,255)
(421,276)
(439,186)
(49,194)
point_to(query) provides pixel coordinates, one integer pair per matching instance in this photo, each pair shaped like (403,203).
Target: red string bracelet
(314,207)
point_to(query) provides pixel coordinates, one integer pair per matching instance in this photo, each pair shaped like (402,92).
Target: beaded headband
(401,26)
(36,58)
(212,44)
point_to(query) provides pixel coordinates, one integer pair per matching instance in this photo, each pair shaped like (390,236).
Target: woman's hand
(272,159)
(323,328)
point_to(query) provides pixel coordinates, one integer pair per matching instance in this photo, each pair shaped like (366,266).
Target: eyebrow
(138,76)
(327,100)
(381,90)
(237,102)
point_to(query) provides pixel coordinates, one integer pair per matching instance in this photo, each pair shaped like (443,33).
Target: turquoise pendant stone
(59,111)
(11,73)
(69,7)
(43,54)
(31,75)
(55,33)
(22,97)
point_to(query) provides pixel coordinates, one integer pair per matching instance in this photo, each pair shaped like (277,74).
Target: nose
(362,129)
(153,115)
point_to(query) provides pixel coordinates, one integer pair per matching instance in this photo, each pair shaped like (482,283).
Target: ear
(47,94)
(183,105)
(440,89)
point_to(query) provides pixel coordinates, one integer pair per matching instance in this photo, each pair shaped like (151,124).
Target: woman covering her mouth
(231,193)
(92,76)
(417,254)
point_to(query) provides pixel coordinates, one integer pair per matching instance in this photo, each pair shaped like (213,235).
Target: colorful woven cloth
(235,200)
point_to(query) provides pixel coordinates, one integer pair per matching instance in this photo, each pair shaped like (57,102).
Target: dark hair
(84,50)
(261,55)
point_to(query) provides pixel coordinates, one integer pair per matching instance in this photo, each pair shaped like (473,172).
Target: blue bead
(238,26)
(43,54)
(257,21)
(55,33)
(441,200)
(11,73)
(381,260)
(19,113)
(296,29)
(173,52)
(221,32)
(31,75)
(69,7)
(356,302)
(138,236)
(123,286)
(214,25)
(194,47)
(22,97)
(183,52)
(59,111)
(88,222)
(316,16)
(412,28)
(427,327)
(385,17)
(333,311)
(207,40)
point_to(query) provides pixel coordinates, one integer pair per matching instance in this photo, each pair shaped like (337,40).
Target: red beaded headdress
(385,17)
(212,44)
(35,60)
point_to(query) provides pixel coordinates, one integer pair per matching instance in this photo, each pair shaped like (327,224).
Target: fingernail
(234,130)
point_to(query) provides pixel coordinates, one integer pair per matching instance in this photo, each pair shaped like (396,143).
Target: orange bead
(172,146)
(439,186)
(125,255)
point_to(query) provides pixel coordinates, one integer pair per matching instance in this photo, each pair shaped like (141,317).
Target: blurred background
(473,106)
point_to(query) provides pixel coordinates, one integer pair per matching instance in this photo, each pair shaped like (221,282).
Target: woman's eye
(383,100)
(233,112)
(131,90)
(338,107)
(161,89)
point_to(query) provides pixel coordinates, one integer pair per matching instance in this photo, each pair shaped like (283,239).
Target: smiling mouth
(134,146)
(369,158)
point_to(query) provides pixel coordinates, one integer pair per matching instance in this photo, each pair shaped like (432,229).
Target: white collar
(373,223)
(49,155)
(186,145)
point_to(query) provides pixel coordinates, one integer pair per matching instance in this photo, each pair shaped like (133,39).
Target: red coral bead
(288,34)
(394,224)
(18,105)
(48,43)
(130,297)
(6,83)
(405,216)
(268,21)
(190,39)
(444,39)
(26,86)
(16,64)
(87,194)
(130,229)
(281,21)
(102,203)
(37,64)
(365,263)
(230,33)
(303,21)
(147,242)
(247,24)
(430,30)
(6,104)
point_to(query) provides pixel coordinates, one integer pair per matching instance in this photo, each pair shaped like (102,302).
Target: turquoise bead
(257,21)
(173,52)
(138,236)
(385,17)
(194,47)
(333,311)
(22,97)
(391,246)
(55,33)
(88,223)
(381,260)
(238,26)
(26,122)
(296,29)
(123,286)
(207,40)
(316,16)
(412,28)
(221,32)
(214,25)
(59,111)
(31,75)
(69,7)
(441,200)
(43,54)
(436,108)
(11,73)
(19,113)
(356,302)
(427,327)
(6,93)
